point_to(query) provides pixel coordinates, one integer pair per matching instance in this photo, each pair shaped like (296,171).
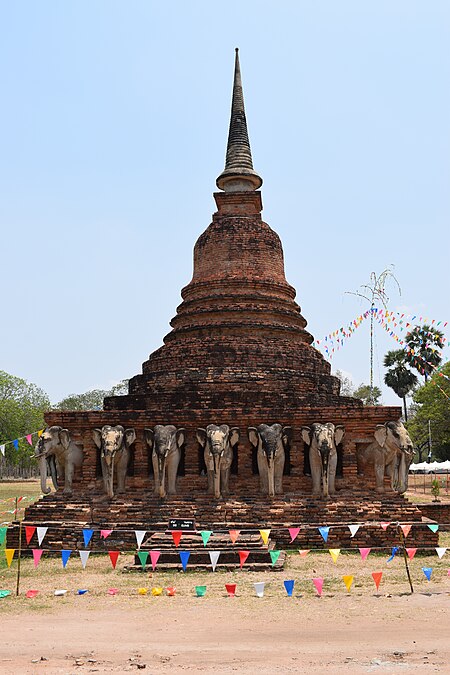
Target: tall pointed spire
(238,174)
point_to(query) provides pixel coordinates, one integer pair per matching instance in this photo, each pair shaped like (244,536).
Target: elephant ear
(306,435)
(286,435)
(64,438)
(253,436)
(180,436)
(201,437)
(339,433)
(380,434)
(234,436)
(149,437)
(97,436)
(130,437)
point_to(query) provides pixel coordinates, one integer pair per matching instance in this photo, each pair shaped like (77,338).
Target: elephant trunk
(51,461)
(325,457)
(43,471)
(110,480)
(216,459)
(271,475)
(402,478)
(162,475)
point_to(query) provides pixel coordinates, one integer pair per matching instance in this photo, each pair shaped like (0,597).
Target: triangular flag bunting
(289,586)
(205,535)
(243,555)
(154,557)
(406,529)
(16,443)
(29,531)
(393,552)
(184,557)
(304,552)
(231,589)
(214,557)
(411,552)
(143,555)
(200,591)
(41,532)
(9,554)
(113,555)
(140,534)
(40,432)
(427,571)
(433,527)
(364,552)
(324,531)
(384,525)
(2,449)
(29,439)
(234,534)
(293,533)
(334,552)
(353,529)
(84,555)
(176,536)
(259,588)
(348,581)
(274,555)
(441,551)
(65,555)
(37,553)
(376,576)
(87,536)
(104,534)
(2,534)
(318,584)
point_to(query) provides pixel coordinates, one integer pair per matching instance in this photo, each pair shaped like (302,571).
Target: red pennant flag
(406,529)
(234,534)
(243,555)
(411,552)
(231,589)
(293,533)
(113,555)
(29,531)
(377,578)
(176,536)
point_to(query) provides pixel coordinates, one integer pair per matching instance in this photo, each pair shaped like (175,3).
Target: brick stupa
(238,354)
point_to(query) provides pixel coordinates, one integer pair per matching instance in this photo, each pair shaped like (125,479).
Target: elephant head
(394,437)
(53,441)
(112,442)
(271,442)
(218,443)
(164,441)
(322,440)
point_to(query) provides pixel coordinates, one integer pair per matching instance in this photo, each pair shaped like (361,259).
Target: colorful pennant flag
(154,557)
(113,555)
(29,439)
(264,536)
(289,586)
(31,594)
(304,552)
(16,444)
(353,529)
(87,536)
(234,534)
(393,552)
(184,557)
(274,555)
(143,555)
(205,535)
(65,555)
(60,592)
(411,552)
(214,557)
(41,532)
(427,571)
(441,551)
(37,554)
(318,584)
(29,531)
(157,590)
(176,536)
(377,578)
(334,552)
(259,588)
(433,527)
(84,555)
(4,593)
(324,531)
(364,552)
(406,529)
(142,591)
(140,534)
(82,591)
(293,533)
(2,449)
(200,591)
(243,555)
(231,590)
(348,581)
(3,531)
(113,591)
(170,590)
(104,534)
(384,525)
(9,555)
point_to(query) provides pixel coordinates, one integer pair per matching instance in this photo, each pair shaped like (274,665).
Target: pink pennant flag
(37,553)
(293,533)
(304,552)
(154,557)
(105,533)
(318,583)
(234,534)
(29,439)
(384,525)
(411,552)
(406,529)
(364,552)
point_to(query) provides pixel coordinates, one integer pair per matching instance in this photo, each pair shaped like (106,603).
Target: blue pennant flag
(184,556)
(324,531)
(65,555)
(289,586)
(16,444)
(393,552)
(427,571)
(87,534)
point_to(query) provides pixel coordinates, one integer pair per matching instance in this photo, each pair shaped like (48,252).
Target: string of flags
(28,438)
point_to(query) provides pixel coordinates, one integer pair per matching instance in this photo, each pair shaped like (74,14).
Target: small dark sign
(181,524)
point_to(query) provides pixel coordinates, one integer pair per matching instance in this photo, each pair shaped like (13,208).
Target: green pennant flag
(274,555)
(433,527)
(143,555)
(2,534)
(205,534)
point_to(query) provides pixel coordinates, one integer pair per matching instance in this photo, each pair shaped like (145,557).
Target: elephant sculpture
(59,456)
(114,444)
(218,443)
(323,440)
(390,454)
(271,442)
(165,442)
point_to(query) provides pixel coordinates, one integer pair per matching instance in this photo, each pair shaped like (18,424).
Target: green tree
(22,407)
(346,383)
(433,403)
(368,395)
(399,377)
(424,344)
(91,400)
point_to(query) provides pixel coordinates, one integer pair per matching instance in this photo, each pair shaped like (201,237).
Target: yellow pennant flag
(9,553)
(157,590)
(40,432)
(142,591)
(265,536)
(334,552)
(348,580)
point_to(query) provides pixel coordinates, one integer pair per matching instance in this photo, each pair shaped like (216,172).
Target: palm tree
(423,345)
(399,377)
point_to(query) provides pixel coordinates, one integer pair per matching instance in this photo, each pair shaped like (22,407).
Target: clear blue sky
(114,120)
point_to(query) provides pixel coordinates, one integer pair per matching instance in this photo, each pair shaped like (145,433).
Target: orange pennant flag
(234,534)
(304,553)
(377,578)
(348,580)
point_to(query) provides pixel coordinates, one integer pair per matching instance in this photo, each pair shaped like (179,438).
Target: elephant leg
(316,473)
(121,470)
(279,468)
(68,478)
(332,464)
(172,463)
(210,481)
(224,481)
(155,473)
(379,476)
(105,475)
(263,473)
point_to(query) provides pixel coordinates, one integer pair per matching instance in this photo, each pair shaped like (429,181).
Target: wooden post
(19,551)
(405,555)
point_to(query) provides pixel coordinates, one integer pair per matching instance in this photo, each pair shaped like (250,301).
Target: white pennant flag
(259,588)
(440,551)
(214,557)
(41,532)
(140,534)
(2,449)
(353,529)
(84,555)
